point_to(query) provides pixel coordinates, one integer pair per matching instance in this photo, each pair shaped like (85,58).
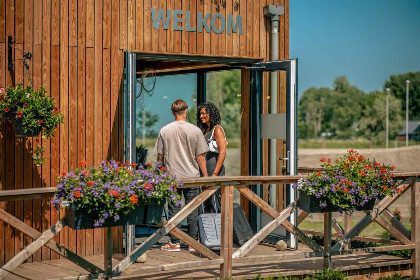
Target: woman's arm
(219,136)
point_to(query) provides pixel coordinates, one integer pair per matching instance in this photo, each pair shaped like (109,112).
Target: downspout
(273,12)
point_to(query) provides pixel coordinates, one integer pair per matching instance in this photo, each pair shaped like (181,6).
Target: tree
(397,86)
(373,122)
(149,123)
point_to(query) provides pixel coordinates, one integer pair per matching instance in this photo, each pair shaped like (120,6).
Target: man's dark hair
(213,112)
(179,106)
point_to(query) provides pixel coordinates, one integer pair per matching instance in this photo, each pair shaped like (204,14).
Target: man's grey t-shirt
(180,142)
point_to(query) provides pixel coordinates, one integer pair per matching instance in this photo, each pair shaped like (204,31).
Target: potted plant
(350,183)
(141,154)
(114,194)
(31,112)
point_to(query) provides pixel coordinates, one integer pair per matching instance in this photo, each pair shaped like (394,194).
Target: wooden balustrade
(380,214)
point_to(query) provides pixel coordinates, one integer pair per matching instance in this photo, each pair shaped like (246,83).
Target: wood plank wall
(78,55)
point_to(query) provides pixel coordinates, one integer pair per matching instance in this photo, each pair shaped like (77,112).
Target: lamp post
(387,118)
(407,84)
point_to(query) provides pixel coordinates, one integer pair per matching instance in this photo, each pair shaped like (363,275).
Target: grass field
(348,144)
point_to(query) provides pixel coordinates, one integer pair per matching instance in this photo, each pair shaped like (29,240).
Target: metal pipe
(407,84)
(130,131)
(274,13)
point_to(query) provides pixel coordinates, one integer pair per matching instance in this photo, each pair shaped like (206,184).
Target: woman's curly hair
(214,114)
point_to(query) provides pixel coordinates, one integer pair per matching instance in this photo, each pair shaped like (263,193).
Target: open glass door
(283,126)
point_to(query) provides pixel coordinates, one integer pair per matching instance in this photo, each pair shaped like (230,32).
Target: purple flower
(116,218)
(105,215)
(117,204)
(323,204)
(96,224)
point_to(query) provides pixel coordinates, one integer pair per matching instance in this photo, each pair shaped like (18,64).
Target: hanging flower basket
(350,183)
(21,132)
(310,204)
(151,213)
(114,194)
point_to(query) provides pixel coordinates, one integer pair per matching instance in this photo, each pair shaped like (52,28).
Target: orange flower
(346,190)
(134,165)
(392,167)
(384,187)
(148,164)
(83,163)
(148,186)
(134,199)
(329,161)
(86,173)
(337,187)
(323,159)
(90,183)
(77,194)
(318,173)
(114,193)
(64,173)
(163,168)
(361,158)
(363,174)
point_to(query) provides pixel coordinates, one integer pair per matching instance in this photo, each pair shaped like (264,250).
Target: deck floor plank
(63,268)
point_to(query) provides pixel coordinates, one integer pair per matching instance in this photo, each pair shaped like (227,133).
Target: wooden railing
(379,214)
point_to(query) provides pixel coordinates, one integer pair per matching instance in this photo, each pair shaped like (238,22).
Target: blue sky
(366,40)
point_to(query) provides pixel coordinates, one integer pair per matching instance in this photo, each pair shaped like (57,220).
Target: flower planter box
(141,157)
(142,214)
(310,204)
(20,132)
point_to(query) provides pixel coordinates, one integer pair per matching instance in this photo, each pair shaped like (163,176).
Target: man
(181,147)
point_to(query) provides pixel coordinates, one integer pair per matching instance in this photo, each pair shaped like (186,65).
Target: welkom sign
(181,20)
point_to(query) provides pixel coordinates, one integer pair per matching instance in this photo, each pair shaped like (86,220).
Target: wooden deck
(358,263)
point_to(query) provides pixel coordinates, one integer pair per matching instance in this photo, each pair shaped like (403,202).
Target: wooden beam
(59,249)
(226,242)
(194,243)
(327,239)
(22,194)
(337,227)
(302,216)
(379,208)
(415,228)
(257,238)
(396,223)
(107,238)
(172,223)
(361,238)
(31,248)
(397,234)
(347,228)
(274,214)
(373,249)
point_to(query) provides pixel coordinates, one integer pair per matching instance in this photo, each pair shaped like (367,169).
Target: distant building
(413,131)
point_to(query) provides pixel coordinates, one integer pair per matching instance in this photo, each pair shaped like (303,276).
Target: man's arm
(201,160)
(160,157)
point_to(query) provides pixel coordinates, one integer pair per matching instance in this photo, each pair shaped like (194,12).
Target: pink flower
(25,105)
(41,121)
(6,110)
(19,114)
(2,90)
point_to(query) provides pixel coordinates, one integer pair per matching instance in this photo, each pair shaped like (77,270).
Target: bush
(327,275)
(395,276)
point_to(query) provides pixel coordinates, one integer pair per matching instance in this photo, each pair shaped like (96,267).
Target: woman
(208,120)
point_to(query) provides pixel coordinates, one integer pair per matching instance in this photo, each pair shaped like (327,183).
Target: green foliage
(35,108)
(327,275)
(224,89)
(38,155)
(345,112)
(397,86)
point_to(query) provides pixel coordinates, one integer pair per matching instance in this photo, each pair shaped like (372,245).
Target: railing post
(415,228)
(226,242)
(327,239)
(107,237)
(347,228)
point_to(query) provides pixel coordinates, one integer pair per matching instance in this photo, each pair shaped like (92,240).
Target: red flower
(77,194)
(19,114)
(134,199)
(90,183)
(323,159)
(392,167)
(134,165)
(41,121)
(163,168)
(25,105)
(384,187)
(361,158)
(55,110)
(83,163)
(6,110)
(346,190)
(148,186)
(64,173)
(148,164)
(318,173)
(363,174)
(364,187)
(337,187)
(329,161)
(2,97)
(114,193)
(86,173)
